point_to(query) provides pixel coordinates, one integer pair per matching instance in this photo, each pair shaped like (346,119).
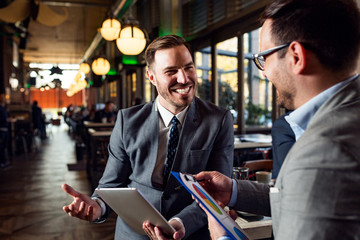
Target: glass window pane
(203,70)
(257,89)
(227,75)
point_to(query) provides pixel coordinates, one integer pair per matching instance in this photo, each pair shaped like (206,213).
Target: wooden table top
(256,229)
(97,124)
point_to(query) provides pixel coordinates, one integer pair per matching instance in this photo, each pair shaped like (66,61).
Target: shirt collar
(166,115)
(302,116)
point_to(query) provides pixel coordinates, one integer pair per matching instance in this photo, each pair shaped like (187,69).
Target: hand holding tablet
(134,209)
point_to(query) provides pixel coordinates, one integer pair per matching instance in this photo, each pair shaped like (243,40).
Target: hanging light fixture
(84,67)
(100,66)
(110,29)
(55,70)
(132,40)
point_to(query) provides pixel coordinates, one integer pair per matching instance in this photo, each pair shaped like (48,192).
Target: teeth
(183,90)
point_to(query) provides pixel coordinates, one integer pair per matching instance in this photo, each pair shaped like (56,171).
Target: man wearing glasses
(309,52)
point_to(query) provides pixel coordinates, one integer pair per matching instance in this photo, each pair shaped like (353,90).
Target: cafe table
(98,143)
(94,125)
(257,229)
(252,141)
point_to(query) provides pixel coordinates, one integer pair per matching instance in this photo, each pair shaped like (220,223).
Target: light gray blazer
(319,182)
(206,143)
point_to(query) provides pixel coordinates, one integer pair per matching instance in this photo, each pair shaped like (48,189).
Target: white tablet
(134,209)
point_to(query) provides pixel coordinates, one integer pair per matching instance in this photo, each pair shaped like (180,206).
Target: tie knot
(174,121)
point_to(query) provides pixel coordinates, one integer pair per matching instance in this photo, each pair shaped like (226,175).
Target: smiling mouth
(183,90)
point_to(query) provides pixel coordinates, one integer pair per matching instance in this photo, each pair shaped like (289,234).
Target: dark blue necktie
(172,145)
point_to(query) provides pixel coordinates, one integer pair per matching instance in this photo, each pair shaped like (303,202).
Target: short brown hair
(329,28)
(164,42)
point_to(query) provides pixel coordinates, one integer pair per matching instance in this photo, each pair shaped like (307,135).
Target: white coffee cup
(263,177)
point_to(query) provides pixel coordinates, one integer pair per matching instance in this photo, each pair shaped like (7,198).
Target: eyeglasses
(259,58)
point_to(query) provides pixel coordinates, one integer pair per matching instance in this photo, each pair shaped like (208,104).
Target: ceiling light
(100,66)
(14,82)
(132,40)
(84,67)
(110,29)
(55,70)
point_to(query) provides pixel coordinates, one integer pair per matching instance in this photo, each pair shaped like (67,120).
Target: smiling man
(138,150)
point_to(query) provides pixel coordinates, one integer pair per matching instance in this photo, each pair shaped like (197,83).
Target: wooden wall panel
(55,98)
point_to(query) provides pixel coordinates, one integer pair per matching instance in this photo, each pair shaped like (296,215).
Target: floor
(31,199)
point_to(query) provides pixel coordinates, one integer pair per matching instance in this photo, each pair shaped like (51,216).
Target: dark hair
(164,42)
(329,28)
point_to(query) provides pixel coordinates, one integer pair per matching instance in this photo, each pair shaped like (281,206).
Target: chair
(258,165)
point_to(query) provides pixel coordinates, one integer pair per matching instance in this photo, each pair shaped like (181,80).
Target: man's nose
(182,78)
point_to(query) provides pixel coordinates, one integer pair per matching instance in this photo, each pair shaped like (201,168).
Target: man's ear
(151,77)
(298,57)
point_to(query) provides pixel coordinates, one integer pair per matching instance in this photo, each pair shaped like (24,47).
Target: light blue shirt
(299,120)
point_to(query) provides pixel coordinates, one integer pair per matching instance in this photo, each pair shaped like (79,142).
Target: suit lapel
(153,126)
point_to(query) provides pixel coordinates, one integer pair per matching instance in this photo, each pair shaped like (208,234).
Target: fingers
(82,207)
(90,214)
(70,190)
(179,227)
(203,176)
(84,211)
(233,214)
(149,230)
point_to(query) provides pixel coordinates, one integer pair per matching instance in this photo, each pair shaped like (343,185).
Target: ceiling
(63,30)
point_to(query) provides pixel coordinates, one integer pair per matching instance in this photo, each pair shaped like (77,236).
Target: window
(257,89)
(227,76)
(203,71)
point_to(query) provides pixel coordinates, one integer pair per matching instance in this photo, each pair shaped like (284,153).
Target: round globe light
(84,67)
(131,41)
(110,29)
(100,66)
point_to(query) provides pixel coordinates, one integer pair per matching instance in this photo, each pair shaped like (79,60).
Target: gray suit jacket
(318,185)
(206,143)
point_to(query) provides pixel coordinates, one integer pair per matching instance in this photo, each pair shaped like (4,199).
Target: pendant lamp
(100,66)
(131,41)
(110,29)
(84,67)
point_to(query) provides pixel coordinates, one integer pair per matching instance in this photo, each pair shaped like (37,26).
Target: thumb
(69,190)
(233,214)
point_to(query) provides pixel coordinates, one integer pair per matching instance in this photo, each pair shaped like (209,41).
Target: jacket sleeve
(253,198)
(118,167)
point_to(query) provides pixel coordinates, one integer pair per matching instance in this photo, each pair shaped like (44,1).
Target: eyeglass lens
(260,62)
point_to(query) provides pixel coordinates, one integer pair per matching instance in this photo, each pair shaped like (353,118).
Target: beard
(174,100)
(285,100)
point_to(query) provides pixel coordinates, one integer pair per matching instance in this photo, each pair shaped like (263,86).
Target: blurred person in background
(4,132)
(107,114)
(38,120)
